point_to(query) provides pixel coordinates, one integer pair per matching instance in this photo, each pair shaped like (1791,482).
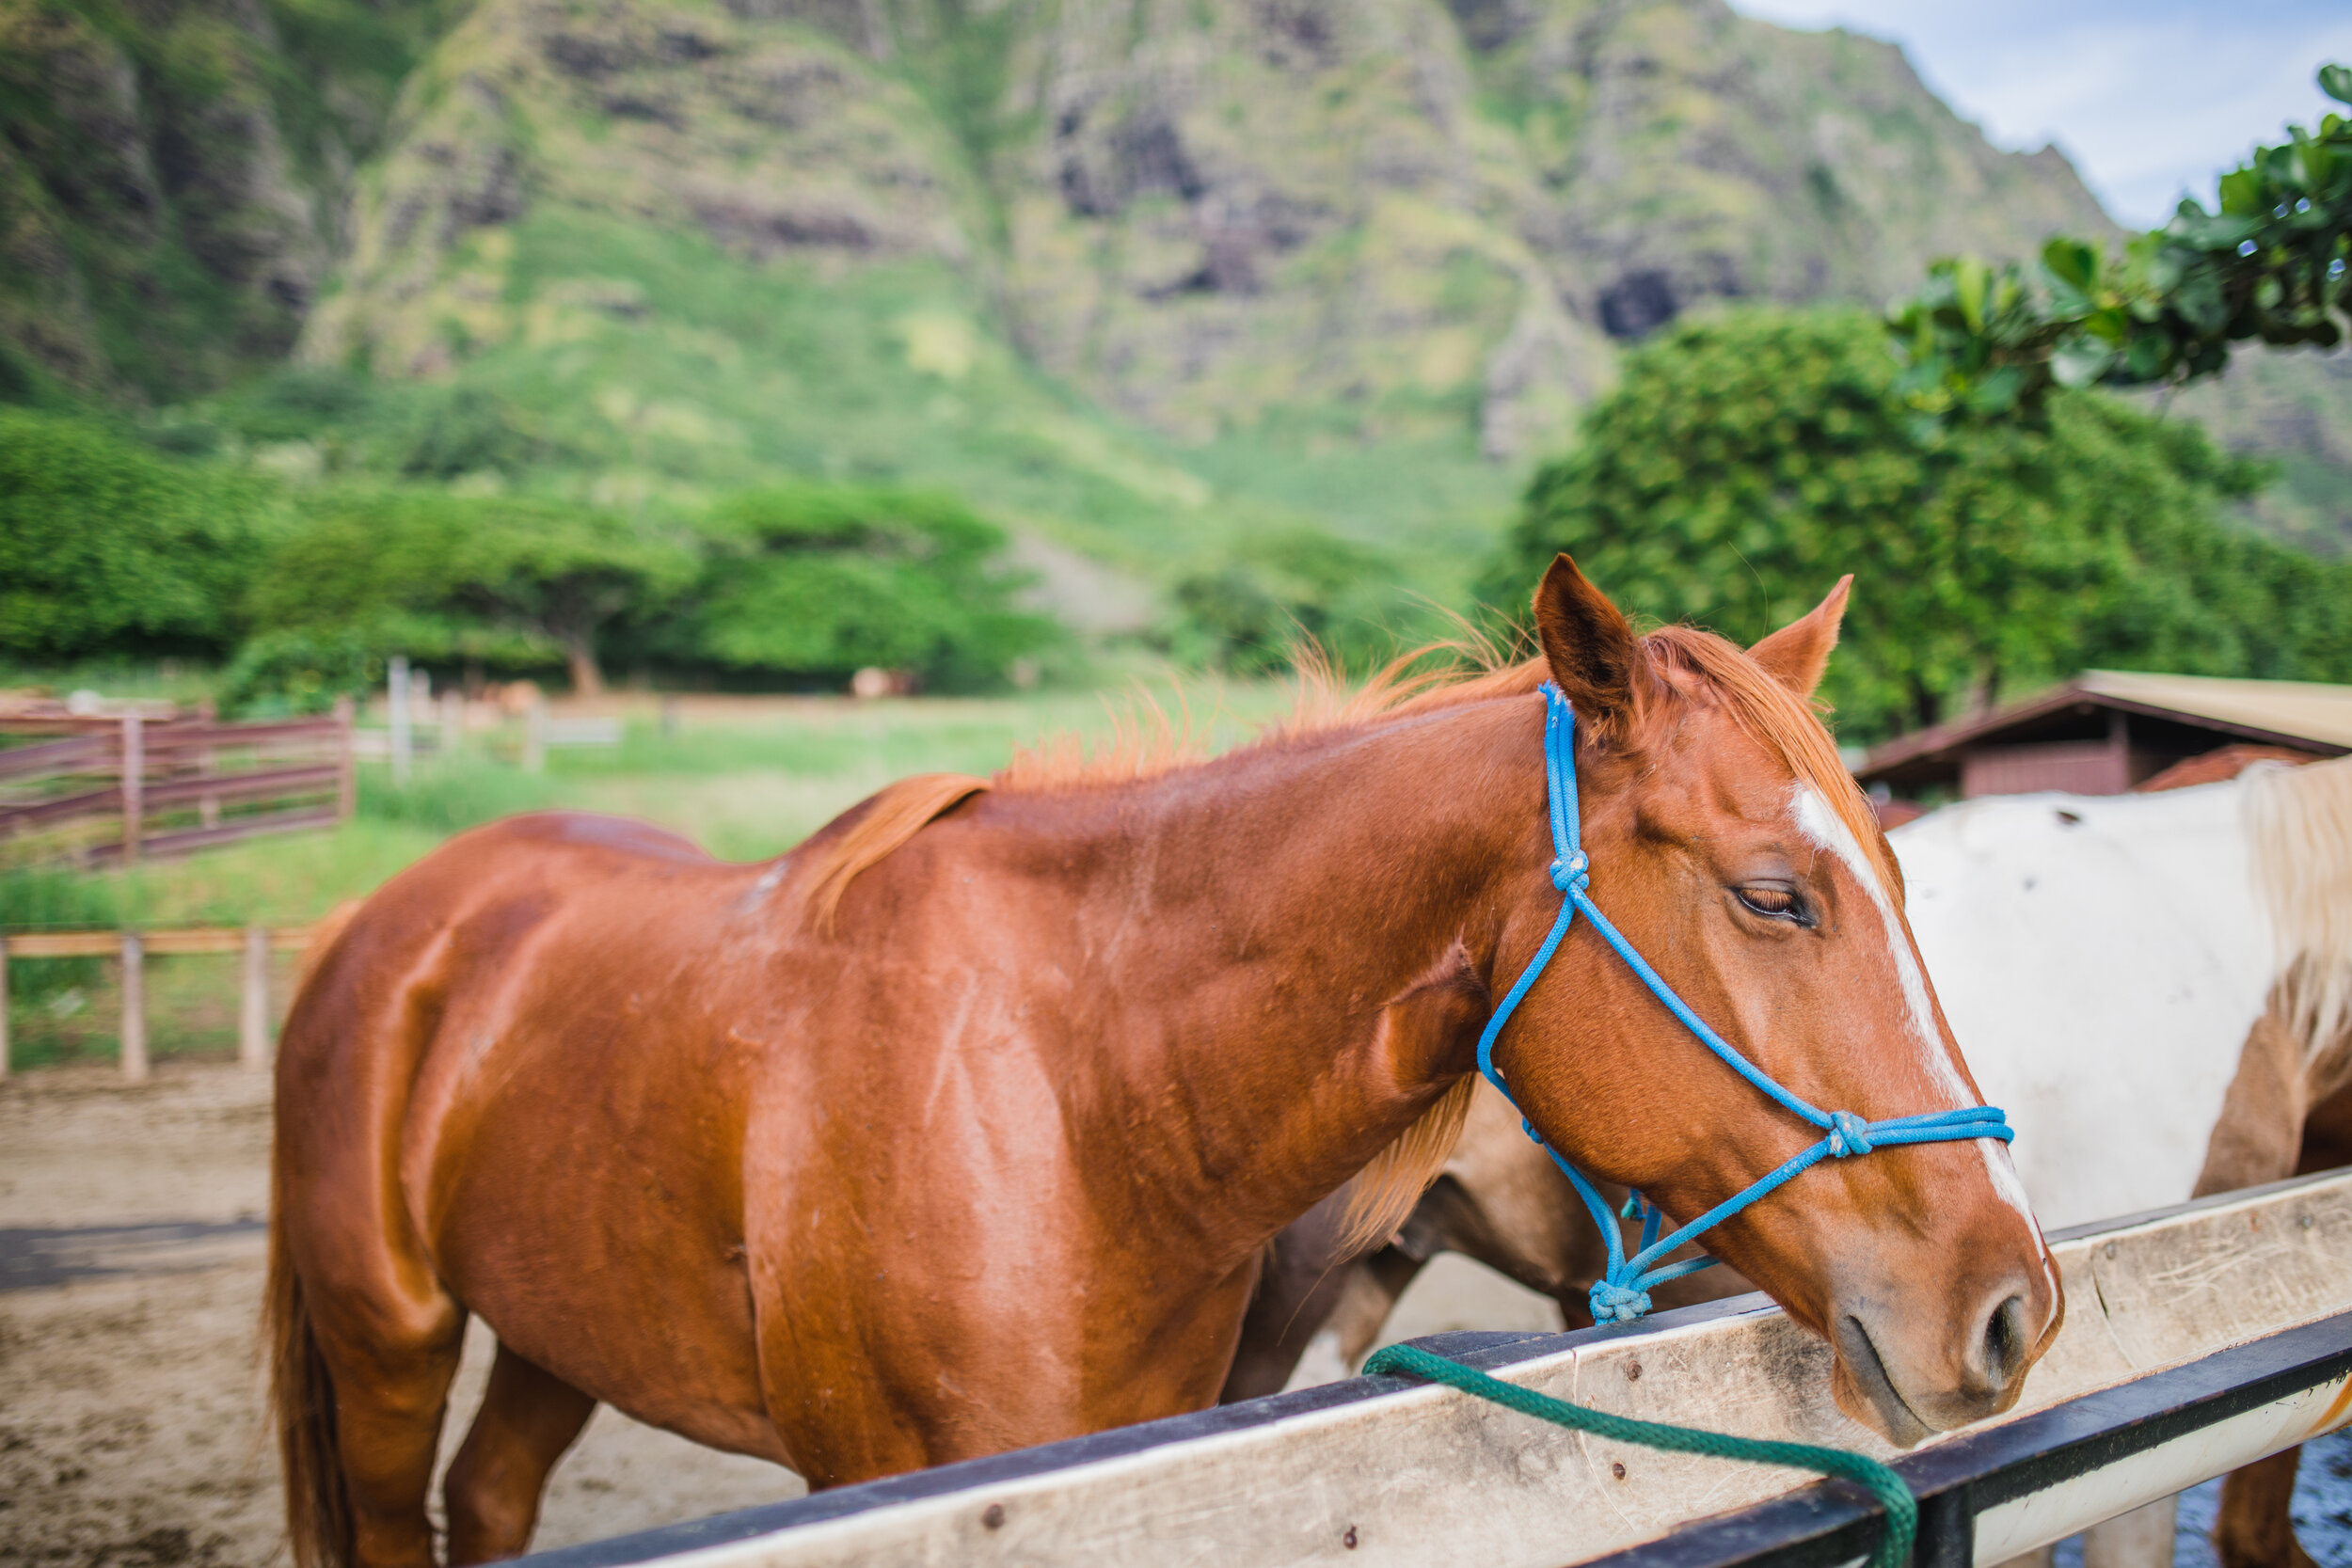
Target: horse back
(503,1066)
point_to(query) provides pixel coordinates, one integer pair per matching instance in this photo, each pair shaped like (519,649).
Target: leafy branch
(2271,264)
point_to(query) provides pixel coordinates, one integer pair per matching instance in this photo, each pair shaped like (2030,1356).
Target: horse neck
(1295,945)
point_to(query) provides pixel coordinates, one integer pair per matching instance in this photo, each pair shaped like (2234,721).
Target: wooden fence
(110,791)
(255,942)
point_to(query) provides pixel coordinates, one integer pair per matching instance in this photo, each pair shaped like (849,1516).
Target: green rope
(1903,1509)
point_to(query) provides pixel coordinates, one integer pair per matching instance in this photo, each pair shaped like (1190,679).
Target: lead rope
(1903,1509)
(1622,1294)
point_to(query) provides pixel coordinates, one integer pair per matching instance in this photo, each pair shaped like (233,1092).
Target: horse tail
(301,1392)
(302,1406)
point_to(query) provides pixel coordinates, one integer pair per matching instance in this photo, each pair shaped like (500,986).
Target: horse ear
(1594,655)
(1798,653)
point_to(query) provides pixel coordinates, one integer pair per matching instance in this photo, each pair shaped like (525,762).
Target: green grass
(745,786)
(653,370)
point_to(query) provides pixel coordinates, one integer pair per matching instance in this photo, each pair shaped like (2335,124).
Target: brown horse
(965,1126)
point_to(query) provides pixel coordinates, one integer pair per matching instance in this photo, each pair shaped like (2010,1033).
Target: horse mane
(1697,665)
(2299,823)
(893,814)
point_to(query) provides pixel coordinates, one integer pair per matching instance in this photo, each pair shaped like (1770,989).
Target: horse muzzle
(1907,1373)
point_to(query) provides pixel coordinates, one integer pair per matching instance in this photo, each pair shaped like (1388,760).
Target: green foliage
(1746,463)
(450,795)
(108,548)
(2268,264)
(819,581)
(282,672)
(33,899)
(491,579)
(1246,612)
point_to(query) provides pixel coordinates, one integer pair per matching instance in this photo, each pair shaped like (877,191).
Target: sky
(2151,99)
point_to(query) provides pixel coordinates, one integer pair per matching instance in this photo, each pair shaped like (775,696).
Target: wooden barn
(2110,731)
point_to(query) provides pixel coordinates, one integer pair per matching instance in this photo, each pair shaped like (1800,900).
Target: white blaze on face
(1826,830)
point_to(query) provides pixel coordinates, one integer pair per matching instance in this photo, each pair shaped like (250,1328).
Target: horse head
(1732,850)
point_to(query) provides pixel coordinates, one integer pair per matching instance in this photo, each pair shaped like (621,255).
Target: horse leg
(389,1399)
(2140,1539)
(2255,1527)
(528,1418)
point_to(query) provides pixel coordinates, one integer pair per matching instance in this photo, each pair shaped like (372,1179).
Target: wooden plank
(100,943)
(80,754)
(1363,1472)
(189,839)
(253,1001)
(134,1009)
(188,738)
(202,939)
(96,802)
(317,778)
(133,806)
(64,944)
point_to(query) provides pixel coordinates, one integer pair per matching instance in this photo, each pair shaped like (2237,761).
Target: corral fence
(2196,1339)
(111,791)
(132,947)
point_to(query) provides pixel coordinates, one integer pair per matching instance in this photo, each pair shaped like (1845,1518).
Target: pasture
(745,777)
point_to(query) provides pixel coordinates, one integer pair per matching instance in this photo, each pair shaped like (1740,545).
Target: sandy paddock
(130,1401)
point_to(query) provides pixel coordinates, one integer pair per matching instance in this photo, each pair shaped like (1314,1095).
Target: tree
(488,579)
(822,580)
(1244,611)
(1746,462)
(106,548)
(2269,265)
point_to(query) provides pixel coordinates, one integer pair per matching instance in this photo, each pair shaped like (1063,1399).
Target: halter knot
(1571,872)
(1848,1134)
(1618,1304)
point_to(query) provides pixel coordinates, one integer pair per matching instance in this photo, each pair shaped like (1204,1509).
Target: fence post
(253,1006)
(4,1007)
(536,735)
(134,1009)
(134,785)
(453,722)
(347,778)
(396,684)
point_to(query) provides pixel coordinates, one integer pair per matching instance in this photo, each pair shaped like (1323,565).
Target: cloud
(2151,100)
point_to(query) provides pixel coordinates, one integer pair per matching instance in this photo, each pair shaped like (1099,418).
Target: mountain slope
(173,179)
(1372,219)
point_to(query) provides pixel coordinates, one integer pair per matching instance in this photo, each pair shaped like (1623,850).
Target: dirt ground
(130,1392)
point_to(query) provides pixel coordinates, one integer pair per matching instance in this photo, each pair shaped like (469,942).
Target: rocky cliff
(1375,215)
(173,178)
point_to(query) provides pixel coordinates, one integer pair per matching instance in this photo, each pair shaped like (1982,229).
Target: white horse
(2154,986)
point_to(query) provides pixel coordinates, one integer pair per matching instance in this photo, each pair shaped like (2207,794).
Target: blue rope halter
(1622,1294)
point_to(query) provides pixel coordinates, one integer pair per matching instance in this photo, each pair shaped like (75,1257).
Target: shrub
(819,581)
(108,548)
(1746,460)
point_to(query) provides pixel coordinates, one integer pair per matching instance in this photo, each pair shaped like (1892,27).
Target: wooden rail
(133,946)
(164,783)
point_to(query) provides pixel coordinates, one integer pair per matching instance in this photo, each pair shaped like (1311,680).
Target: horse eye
(1777,901)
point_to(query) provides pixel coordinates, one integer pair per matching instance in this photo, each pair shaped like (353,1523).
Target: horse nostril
(2005,1342)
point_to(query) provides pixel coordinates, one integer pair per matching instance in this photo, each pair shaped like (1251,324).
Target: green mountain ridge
(1143,280)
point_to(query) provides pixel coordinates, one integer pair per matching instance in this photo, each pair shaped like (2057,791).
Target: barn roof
(2305,715)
